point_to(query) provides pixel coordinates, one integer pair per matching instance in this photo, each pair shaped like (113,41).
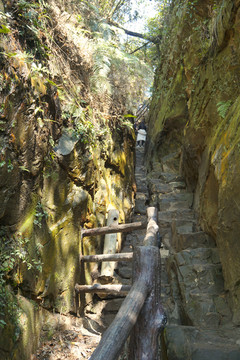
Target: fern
(223,107)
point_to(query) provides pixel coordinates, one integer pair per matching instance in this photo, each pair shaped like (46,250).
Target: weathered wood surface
(152,319)
(152,228)
(144,344)
(141,311)
(116,335)
(105,289)
(114,229)
(110,243)
(107,257)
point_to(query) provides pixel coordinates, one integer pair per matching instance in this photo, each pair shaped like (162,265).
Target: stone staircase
(199,318)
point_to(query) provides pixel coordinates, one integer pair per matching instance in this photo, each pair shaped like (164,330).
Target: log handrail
(142,110)
(151,237)
(141,307)
(117,333)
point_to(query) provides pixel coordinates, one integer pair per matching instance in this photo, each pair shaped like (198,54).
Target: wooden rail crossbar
(141,313)
(142,110)
(105,289)
(107,257)
(113,229)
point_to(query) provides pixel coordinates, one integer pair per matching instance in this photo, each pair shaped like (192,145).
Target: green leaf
(4,29)
(51,82)
(2,323)
(23,168)
(129,116)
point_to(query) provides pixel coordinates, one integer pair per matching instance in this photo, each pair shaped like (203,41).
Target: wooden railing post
(110,243)
(141,311)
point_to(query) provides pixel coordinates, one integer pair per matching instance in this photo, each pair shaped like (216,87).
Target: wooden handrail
(107,257)
(105,289)
(114,229)
(117,333)
(151,237)
(143,109)
(141,312)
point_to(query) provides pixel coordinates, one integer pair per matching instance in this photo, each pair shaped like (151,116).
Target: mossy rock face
(65,206)
(203,48)
(61,170)
(20,340)
(47,197)
(52,221)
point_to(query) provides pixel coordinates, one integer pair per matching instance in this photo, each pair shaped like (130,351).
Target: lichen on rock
(202,109)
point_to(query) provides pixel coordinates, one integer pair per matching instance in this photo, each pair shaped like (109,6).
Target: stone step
(166,177)
(205,278)
(141,185)
(170,215)
(139,170)
(140,203)
(174,201)
(164,281)
(202,309)
(191,343)
(156,186)
(164,254)
(181,241)
(201,289)
(197,256)
(183,226)
(110,310)
(177,185)
(134,239)
(125,270)
(165,292)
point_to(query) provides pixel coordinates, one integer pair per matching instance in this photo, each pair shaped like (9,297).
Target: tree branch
(154,40)
(118,5)
(140,47)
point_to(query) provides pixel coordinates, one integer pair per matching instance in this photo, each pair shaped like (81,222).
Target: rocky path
(199,319)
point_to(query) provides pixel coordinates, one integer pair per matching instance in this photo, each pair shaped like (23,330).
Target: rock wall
(195,112)
(59,171)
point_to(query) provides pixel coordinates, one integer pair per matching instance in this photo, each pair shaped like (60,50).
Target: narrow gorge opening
(77,78)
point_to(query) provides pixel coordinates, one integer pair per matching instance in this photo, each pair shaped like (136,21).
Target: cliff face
(66,158)
(195,111)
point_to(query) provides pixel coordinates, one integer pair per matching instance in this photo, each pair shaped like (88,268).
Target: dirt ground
(68,338)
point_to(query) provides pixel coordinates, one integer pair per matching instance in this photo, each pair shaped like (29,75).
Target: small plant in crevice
(223,107)
(40,214)
(125,122)
(14,252)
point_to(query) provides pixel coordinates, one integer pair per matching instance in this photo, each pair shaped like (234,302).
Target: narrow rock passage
(199,320)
